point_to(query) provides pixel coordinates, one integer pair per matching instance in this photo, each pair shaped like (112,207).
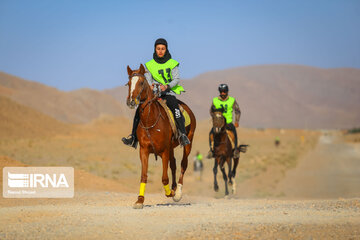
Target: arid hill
(17,120)
(78,106)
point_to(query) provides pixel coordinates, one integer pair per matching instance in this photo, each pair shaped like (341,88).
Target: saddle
(231,137)
(171,116)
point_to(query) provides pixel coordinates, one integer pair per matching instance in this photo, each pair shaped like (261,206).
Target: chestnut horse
(223,151)
(156,136)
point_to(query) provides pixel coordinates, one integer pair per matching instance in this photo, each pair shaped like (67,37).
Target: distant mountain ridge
(77,106)
(284,96)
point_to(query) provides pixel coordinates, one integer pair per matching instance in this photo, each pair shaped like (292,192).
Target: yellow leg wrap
(167,189)
(142,189)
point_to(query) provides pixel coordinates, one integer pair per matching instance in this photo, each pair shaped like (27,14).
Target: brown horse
(155,134)
(223,151)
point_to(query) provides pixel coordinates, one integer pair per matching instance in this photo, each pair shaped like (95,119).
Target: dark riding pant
(135,123)
(230,127)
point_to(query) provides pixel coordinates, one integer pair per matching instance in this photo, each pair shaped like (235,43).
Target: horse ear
(129,70)
(213,108)
(142,69)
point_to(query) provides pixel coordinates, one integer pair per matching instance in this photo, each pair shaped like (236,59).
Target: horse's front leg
(229,161)
(222,168)
(173,169)
(165,156)
(144,157)
(215,169)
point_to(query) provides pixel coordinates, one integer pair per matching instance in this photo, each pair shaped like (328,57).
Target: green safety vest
(162,73)
(227,105)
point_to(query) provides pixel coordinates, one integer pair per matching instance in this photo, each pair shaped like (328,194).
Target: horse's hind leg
(144,157)
(233,172)
(184,163)
(173,169)
(232,181)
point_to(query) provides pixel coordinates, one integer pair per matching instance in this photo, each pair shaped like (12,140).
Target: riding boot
(180,123)
(132,140)
(211,142)
(236,150)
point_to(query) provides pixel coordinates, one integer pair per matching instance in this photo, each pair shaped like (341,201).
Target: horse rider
(198,165)
(230,106)
(164,70)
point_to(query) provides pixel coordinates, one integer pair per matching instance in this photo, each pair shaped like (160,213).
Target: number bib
(227,105)
(162,73)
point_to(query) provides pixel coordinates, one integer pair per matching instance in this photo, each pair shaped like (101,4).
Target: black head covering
(167,55)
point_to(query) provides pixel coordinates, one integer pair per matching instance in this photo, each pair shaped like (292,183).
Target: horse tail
(243,148)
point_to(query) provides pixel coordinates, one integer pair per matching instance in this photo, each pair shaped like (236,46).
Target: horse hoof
(216,188)
(177,197)
(172,194)
(178,194)
(138,206)
(230,184)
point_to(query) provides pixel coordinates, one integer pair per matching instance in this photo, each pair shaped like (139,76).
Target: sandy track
(331,170)
(109,215)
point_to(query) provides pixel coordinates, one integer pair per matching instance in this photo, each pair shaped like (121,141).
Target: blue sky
(75,44)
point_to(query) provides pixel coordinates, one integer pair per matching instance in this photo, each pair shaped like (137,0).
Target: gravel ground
(109,215)
(332,169)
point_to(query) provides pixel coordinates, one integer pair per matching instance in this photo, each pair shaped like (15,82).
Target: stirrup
(184,140)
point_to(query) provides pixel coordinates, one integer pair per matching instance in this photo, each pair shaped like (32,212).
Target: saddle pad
(171,116)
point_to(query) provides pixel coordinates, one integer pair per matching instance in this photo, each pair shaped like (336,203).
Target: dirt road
(105,215)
